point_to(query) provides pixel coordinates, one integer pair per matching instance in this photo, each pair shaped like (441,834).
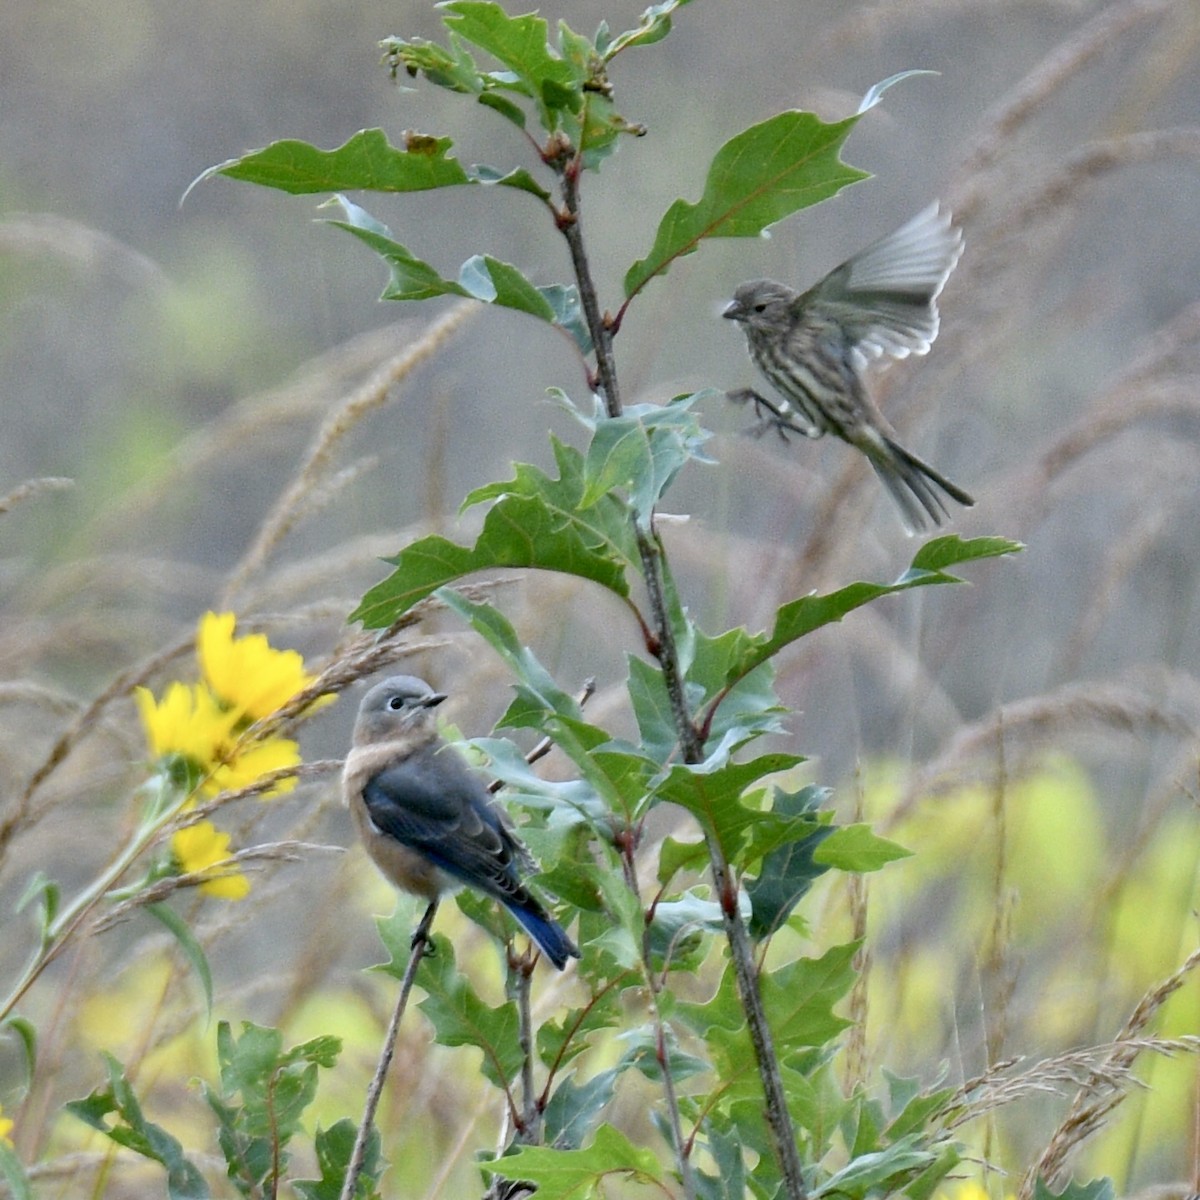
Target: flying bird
(815,349)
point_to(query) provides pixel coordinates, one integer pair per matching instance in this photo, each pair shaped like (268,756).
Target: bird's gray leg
(774,417)
(420,943)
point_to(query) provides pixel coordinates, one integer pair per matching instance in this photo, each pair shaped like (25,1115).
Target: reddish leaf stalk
(664,649)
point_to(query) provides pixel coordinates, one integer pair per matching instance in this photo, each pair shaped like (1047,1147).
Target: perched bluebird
(427,820)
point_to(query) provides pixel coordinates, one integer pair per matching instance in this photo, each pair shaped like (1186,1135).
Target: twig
(154,893)
(605,381)
(663,647)
(662,1049)
(857,895)
(763,1041)
(420,941)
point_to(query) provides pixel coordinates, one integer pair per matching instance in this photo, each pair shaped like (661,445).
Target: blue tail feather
(548,933)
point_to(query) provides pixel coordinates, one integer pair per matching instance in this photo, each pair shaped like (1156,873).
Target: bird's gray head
(761,304)
(400,703)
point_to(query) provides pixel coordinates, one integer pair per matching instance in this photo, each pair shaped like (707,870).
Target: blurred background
(1032,737)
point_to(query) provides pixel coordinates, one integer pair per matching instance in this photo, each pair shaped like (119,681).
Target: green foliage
(563,86)
(26,1033)
(481,277)
(595,520)
(263,1094)
(563,1174)
(47,895)
(275,1087)
(12,1171)
(132,1130)
(806,615)
(856,848)
(574,1109)
(640,453)
(334,1147)
(460,1018)
(760,176)
(697,915)
(192,950)
(535,521)
(788,869)
(713,792)
(769,171)
(757,178)
(367,161)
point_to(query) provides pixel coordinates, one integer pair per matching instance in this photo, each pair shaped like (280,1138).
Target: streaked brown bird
(815,349)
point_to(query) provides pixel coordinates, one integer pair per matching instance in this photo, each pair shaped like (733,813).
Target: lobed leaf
(858,848)
(712,792)
(521,44)
(276,1087)
(133,1131)
(574,1109)
(799,998)
(334,1147)
(571,1174)
(367,162)
(760,176)
(654,25)
(460,1018)
(535,522)
(642,451)
(562,1038)
(789,868)
(798,618)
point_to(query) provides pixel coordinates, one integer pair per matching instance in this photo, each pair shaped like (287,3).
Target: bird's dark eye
(760,308)
(395,703)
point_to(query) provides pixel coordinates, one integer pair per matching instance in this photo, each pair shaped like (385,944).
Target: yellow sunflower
(191,723)
(201,846)
(248,674)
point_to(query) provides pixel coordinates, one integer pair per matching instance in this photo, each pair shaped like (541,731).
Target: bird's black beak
(433,699)
(733,311)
